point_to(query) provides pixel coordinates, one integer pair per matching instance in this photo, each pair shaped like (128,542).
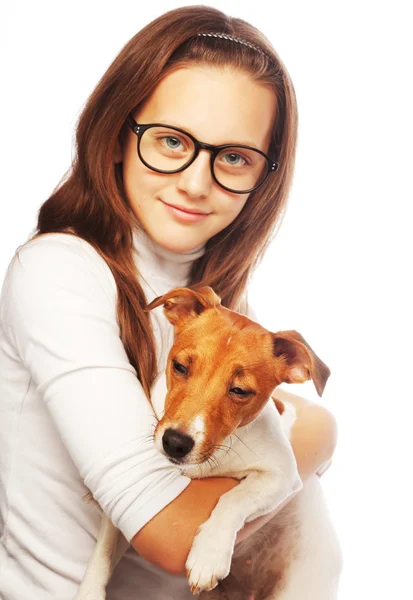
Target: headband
(226,36)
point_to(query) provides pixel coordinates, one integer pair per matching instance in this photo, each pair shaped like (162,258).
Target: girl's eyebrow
(171,122)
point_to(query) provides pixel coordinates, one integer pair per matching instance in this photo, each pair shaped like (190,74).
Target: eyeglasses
(166,149)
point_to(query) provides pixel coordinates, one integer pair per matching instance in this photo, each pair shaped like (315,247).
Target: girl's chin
(180,247)
(174,236)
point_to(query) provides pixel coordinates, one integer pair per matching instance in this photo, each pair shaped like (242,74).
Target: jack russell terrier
(217,420)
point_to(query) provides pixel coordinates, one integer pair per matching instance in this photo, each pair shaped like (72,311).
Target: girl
(185,156)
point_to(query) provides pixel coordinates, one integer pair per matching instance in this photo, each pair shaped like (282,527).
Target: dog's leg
(110,546)
(209,559)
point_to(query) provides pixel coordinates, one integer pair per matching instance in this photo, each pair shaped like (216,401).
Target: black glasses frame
(139,130)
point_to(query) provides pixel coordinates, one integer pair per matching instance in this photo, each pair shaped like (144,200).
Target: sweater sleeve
(59,308)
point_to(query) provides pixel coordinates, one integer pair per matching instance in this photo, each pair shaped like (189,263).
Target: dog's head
(221,371)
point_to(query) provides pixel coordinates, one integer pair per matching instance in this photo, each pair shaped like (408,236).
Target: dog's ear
(182,304)
(297,362)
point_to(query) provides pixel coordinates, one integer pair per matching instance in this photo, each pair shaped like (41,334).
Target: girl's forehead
(216,105)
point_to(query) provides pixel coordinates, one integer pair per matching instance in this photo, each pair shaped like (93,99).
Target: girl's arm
(167,538)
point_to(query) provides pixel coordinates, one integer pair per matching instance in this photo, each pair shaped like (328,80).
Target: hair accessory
(226,36)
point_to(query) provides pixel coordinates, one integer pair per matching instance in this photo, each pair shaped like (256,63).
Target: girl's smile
(186,215)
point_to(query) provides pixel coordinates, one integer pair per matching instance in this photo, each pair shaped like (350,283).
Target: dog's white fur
(295,556)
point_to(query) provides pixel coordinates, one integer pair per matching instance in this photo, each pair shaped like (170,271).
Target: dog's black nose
(177,444)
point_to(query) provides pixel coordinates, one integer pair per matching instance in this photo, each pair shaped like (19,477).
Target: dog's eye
(240,392)
(178,368)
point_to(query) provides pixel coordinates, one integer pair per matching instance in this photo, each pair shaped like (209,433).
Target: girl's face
(217,107)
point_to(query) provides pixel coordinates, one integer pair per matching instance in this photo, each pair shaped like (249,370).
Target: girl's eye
(240,392)
(179,368)
(235,160)
(172,143)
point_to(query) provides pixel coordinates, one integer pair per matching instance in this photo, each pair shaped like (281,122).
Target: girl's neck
(156,262)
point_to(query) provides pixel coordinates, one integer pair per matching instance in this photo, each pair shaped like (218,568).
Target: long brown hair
(90,201)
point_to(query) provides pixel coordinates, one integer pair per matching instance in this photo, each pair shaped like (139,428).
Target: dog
(219,419)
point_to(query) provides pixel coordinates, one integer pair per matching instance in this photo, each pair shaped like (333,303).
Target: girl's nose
(196,180)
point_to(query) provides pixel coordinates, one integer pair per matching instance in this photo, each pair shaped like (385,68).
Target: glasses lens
(165,149)
(239,168)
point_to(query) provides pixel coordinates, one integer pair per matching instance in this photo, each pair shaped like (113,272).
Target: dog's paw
(207,563)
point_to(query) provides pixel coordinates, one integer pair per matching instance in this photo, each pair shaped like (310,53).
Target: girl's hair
(90,201)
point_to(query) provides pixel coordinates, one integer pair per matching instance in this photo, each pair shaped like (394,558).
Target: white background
(339,270)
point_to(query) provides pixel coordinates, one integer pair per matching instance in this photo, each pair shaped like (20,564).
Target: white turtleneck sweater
(74,416)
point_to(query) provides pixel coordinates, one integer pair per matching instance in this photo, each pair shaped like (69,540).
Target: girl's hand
(313,434)
(324,467)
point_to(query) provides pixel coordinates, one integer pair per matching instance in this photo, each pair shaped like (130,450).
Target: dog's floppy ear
(182,304)
(297,362)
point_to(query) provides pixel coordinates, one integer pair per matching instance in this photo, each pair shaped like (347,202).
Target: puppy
(218,419)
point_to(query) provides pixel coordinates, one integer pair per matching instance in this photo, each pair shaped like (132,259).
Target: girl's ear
(182,304)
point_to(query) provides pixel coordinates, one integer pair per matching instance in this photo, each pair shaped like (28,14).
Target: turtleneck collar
(155,262)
